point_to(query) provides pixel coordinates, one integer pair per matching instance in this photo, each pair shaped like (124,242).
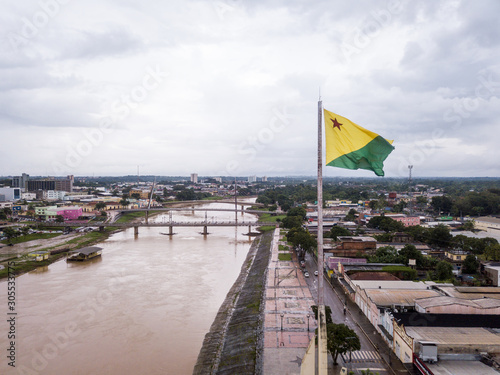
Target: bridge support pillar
(147,217)
(249,229)
(205,230)
(136,231)
(170,230)
(101,229)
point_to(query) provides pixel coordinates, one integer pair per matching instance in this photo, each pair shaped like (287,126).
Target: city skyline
(228,88)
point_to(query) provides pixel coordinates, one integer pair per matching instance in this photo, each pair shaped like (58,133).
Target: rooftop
(460,368)
(415,319)
(480,303)
(400,297)
(86,250)
(450,336)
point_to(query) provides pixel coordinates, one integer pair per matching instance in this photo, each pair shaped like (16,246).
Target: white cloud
(227,67)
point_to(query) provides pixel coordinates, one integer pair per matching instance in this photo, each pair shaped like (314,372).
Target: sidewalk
(289,321)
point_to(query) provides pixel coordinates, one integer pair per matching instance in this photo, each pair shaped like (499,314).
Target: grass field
(31,237)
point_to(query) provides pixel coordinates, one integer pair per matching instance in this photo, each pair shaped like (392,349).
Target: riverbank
(233,344)
(58,247)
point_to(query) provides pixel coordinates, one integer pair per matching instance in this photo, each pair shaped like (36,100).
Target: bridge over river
(171,224)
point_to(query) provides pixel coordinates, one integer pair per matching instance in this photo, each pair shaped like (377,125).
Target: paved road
(368,356)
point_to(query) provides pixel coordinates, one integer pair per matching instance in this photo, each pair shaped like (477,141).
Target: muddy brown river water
(144,307)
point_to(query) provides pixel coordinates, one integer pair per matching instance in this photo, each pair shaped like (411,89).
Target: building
(352,246)
(455,336)
(493,273)
(143,193)
(51,212)
(489,224)
(454,305)
(20,181)
(51,183)
(252,179)
(10,194)
(456,258)
(53,195)
(194,178)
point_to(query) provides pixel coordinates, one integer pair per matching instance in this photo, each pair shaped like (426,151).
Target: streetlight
(282,315)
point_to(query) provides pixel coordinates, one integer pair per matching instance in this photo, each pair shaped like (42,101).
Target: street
(366,358)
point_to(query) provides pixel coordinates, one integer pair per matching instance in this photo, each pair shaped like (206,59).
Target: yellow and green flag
(350,146)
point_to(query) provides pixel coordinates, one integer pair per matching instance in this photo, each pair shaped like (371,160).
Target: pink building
(408,221)
(70,213)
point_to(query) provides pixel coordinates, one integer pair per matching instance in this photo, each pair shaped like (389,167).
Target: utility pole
(235,201)
(410,167)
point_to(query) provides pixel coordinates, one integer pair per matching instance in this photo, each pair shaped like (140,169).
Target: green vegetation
(285,256)
(26,264)
(270,218)
(31,237)
(283,247)
(340,340)
(266,228)
(404,273)
(337,232)
(130,216)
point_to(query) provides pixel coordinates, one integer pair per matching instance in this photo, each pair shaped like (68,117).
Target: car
(306,274)
(316,273)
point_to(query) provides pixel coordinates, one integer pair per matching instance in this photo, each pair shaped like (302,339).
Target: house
(456,336)
(493,273)
(352,246)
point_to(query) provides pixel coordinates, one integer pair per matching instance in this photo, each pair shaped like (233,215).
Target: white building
(54,195)
(10,194)
(194,178)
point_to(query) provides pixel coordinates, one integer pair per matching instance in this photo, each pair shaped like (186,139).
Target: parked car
(306,274)
(316,273)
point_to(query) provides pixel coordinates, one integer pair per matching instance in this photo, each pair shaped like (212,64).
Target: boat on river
(85,253)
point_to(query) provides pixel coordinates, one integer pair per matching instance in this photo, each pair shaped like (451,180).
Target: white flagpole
(322,349)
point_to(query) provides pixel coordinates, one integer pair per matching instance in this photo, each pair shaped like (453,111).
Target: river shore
(233,344)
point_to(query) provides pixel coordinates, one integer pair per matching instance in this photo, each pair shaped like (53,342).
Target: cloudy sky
(231,87)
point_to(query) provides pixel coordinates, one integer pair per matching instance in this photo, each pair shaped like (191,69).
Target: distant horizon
(308,177)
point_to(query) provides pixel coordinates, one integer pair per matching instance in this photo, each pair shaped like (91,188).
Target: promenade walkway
(289,321)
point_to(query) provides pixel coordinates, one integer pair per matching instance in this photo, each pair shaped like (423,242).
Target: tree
(10,233)
(351,215)
(470,265)
(7,211)
(25,230)
(301,238)
(124,203)
(100,206)
(492,252)
(441,204)
(386,224)
(135,195)
(292,222)
(444,271)
(469,225)
(297,211)
(340,340)
(440,236)
(337,231)
(59,219)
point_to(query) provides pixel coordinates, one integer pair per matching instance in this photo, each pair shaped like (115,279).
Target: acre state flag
(351,146)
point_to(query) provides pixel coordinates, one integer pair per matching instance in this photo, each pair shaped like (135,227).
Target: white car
(306,274)
(316,273)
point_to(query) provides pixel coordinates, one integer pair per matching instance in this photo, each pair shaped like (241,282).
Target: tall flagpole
(322,341)
(320,205)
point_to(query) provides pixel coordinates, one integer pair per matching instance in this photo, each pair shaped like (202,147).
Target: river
(144,307)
